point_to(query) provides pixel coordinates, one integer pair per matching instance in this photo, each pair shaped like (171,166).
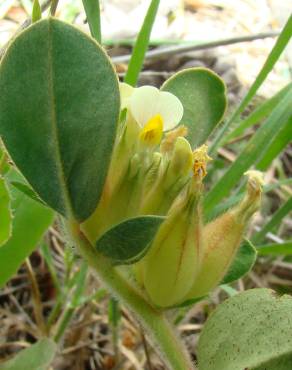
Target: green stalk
(92,10)
(151,319)
(273,57)
(141,46)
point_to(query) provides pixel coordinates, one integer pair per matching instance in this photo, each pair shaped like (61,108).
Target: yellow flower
(154,111)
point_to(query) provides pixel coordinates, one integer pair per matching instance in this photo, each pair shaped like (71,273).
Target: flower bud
(222,238)
(170,137)
(173,177)
(169,269)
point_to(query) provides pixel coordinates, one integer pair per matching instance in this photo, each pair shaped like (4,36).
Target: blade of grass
(36,12)
(257,115)
(70,309)
(252,152)
(282,139)
(273,57)
(275,249)
(275,220)
(280,183)
(92,10)
(140,48)
(234,199)
(114,317)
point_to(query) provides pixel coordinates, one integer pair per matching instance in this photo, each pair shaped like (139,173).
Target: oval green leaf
(203,96)
(37,357)
(5,212)
(248,331)
(59,106)
(242,264)
(128,241)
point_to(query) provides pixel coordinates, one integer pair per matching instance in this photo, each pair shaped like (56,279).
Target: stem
(191,46)
(152,319)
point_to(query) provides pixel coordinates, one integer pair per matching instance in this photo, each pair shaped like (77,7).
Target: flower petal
(143,104)
(126,92)
(147,101)
(170,108)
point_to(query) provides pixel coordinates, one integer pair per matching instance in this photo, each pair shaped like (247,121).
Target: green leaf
(31,220)
(140,48)
(5,212)
(273,57)
(36,11)
(27,190)
(58,117)
(92,10)
(251,329)
(242,264)
(128,241)
(37,357)
(284,363)
(275,249)
(203,96)
(252,152)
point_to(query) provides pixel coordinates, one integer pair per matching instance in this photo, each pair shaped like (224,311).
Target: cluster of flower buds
(154,171)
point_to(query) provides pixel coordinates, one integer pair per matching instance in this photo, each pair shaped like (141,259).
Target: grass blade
(274,221)
(141,45)
(275,249)
(92,10)
(282,139)
(36,11)
(46,252)
(273,57)
(257,115)
(252,152)
(236,198)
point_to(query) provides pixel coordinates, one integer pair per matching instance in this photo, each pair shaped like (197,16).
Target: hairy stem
(154,321)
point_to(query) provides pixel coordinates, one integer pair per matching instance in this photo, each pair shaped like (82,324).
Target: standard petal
(143,104)
(171,109)
(126,92)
